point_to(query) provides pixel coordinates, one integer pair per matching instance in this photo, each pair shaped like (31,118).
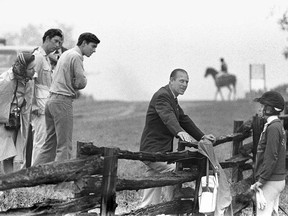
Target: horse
(225,80)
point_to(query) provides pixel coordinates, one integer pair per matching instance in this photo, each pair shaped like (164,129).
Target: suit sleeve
(189,126)
(167,114)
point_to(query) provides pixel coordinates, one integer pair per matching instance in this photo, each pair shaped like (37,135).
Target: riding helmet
(273,99)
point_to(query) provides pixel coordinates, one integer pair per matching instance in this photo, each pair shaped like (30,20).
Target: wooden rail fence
(94,173)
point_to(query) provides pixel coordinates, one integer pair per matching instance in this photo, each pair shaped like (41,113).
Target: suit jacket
(164,120)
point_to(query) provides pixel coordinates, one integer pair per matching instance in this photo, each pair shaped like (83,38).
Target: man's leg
(64,130)
(48,150)
(39,134)
(153,195)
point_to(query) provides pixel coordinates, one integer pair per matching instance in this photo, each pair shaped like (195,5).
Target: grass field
(120,124)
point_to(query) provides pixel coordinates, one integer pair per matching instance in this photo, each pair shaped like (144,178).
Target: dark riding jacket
(271,153)
(164,120)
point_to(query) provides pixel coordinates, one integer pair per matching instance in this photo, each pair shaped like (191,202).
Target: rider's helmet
(273,102)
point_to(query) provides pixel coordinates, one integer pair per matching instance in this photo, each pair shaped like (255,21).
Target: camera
(14,119)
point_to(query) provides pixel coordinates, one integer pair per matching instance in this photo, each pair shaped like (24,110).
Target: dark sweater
(271,154)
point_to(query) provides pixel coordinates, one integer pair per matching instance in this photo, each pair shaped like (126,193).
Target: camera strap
(14,97)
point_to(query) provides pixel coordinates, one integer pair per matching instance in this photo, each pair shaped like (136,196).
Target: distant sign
(257,77)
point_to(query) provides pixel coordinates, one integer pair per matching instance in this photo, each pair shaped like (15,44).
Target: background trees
(32,35)
(284,26)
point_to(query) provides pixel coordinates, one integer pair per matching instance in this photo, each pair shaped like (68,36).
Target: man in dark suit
(165,120)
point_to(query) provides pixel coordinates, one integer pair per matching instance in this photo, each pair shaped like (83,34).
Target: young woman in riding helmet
(270,170)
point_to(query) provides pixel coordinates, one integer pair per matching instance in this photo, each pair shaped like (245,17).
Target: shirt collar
(42,51)
(271,118)
(77,49)
(172,92)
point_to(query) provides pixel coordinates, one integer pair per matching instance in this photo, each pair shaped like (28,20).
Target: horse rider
(224,67)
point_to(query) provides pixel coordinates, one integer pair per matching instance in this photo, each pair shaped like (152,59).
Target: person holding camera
(15,106)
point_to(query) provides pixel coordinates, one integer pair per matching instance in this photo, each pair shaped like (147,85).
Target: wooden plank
(236,143)
(56,207)
(236,171)
(257,129)
(29,147)
(108,199)
(90,149)
(238,191)
(92,184)
(172,207)
(52,173)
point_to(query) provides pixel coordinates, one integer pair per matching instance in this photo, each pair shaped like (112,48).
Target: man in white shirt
(52,40)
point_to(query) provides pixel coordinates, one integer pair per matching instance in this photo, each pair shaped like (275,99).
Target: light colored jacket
(7,87)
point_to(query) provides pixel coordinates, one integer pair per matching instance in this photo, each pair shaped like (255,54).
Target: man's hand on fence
(209,137)
(184,136)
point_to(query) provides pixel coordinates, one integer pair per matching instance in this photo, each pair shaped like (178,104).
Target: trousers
(271,191)
(153,195)
(39,134)
(59,129)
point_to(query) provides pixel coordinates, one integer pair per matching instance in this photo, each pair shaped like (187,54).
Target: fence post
(78,150)
(179,165)
(181,147)
(257,127)
(236,171)
(108,199)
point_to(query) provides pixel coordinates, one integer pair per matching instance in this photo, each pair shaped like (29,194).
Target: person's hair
(270,110)
(52,33)
(175,71)
(88,37)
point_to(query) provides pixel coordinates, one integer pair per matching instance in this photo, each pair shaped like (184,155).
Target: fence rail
(94,173)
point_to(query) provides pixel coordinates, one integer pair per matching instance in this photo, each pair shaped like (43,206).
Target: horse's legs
(216,93)
(220,92)
(234,90)
(230,92)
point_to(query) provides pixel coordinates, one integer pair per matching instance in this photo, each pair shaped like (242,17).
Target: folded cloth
(260,199)
(224,198)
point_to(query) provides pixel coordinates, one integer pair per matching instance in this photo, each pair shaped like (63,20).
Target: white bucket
(208,194)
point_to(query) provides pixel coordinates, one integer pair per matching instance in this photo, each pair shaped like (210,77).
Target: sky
(142,41)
